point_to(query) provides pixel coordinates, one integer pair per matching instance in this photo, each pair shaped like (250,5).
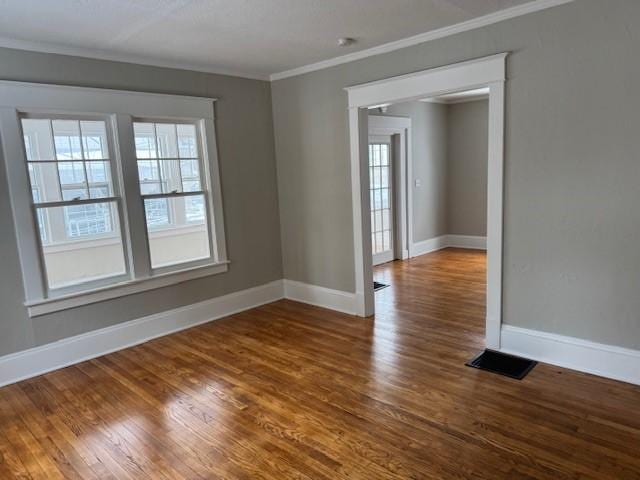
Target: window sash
(92,284)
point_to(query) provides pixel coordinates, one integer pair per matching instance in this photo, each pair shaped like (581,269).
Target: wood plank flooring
(290,391)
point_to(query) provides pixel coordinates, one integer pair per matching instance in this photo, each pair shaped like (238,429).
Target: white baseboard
(36,361)
(444,241)
(467,241)
(320,296)
(427,246)
(596,358)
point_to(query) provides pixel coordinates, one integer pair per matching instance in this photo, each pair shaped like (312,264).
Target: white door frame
(400,130)
(487,71)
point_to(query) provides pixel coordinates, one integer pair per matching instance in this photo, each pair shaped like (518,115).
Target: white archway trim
(487,71)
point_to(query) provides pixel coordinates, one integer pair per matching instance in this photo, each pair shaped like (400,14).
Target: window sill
(49,305)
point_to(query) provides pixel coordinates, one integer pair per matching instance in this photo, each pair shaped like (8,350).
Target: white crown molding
(483,21)
(91,53)
(599,359)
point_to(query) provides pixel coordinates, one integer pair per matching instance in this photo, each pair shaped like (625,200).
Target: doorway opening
(489,73)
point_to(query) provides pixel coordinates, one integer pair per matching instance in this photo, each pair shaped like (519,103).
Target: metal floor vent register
(502,364)
(379,286)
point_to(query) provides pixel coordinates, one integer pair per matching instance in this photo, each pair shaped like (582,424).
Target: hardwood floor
(290,391)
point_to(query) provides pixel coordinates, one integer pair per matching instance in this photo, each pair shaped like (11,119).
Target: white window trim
(109,292)
(121,107)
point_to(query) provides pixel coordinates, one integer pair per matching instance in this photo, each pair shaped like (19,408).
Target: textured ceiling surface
(255,37)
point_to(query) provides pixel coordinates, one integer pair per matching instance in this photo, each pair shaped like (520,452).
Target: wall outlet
(418,183)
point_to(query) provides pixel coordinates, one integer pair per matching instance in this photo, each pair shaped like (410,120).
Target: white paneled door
(381,192)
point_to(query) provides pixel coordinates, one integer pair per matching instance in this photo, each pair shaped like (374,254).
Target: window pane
(145,140)
(386,238)
(385,220)
(44,181)
(100,185)
(375,181)
(179,243)
(66,136)
(385,176)
(378,199)
(190,175)
(38,142)
(99,191)
(150,188)
(378,214)
(379,244)
(71,173)
(157,213)
(167,140)
(98,172)
(187,141)
(384,154)
(385,197)
(170,173)
(94,139)
(159,176)
(376,155)
(72,180)
(88,220)
(148,171)
(194,209)
(100,255)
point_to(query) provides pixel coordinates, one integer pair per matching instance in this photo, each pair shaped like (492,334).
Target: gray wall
(571,222)
(467,157)
(247,168)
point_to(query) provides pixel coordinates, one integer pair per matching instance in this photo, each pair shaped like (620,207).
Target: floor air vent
(503,364)
(379,286)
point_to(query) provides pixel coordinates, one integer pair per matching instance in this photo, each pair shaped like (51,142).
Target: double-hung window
(112,192)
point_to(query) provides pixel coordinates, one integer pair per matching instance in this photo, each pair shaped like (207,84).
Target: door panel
(381,192)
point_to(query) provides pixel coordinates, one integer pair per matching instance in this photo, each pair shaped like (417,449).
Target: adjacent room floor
(293,391)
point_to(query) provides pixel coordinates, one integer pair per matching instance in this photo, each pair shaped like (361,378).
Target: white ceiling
(253,38)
